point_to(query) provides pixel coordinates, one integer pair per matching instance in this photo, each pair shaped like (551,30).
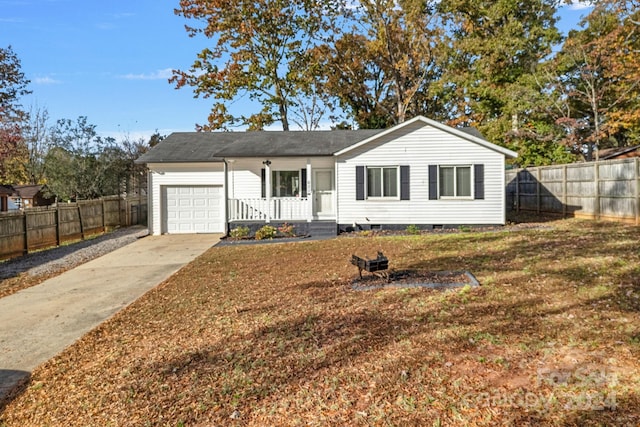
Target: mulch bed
(416,279)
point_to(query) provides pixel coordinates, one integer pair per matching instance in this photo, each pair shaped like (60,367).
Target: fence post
(104,216)
(518,190)
(596,177)
(26,232)
(57,216)
(564,191)
(538,196)
(80,218)
(637,175)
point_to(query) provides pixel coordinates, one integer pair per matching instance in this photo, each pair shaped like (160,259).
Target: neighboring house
(6,204)
(420,172)
(29,196)
(619,153)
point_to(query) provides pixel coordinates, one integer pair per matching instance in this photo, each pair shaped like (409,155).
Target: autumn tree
(353,76)
(496,46)
(598,76)
(260,49)
(13,85)
(382,68)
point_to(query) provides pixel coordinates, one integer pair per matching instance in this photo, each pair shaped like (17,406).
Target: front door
(323,193)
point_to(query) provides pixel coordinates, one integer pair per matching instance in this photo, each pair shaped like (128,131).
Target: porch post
(267,187)
(309,192)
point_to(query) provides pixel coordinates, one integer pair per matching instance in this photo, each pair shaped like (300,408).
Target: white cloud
(46,81)
(12,20)
(106,26)
(156,75)
(136,135)
(579,5)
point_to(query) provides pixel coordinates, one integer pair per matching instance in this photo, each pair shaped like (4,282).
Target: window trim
(455,179)
(383,197)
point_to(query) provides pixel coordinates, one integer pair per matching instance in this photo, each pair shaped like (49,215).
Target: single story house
(30,195)
(6,203)
(420,172)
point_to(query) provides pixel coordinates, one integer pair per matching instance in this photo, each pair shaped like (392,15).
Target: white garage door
(193,209)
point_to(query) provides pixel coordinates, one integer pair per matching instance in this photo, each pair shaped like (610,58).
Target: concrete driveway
(39,322)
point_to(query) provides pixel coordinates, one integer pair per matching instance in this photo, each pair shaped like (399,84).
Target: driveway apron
(39,322)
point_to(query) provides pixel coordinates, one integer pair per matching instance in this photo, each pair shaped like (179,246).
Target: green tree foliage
(156,138)
(496,45)
(260,48)
(486,64)
(36,142)
(587,95)
(81,164)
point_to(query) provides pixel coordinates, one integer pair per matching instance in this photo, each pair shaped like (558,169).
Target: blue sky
(110,61)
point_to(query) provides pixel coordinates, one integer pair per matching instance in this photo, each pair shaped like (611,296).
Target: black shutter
(359,182)
(303,182)
(404,183)
(433,182)
(478,178)
(263,174)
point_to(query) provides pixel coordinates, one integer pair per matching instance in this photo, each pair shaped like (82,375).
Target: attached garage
(187,198)
(193,209)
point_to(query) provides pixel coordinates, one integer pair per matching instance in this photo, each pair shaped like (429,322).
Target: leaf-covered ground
(274,335)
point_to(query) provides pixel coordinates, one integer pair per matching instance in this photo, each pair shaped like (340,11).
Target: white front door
(323,189)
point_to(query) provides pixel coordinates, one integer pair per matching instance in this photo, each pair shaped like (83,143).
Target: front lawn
(274,335)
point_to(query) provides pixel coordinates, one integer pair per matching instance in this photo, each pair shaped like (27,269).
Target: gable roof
(470,134)
(6,190)
(215,146)
(27,191)
(192,147)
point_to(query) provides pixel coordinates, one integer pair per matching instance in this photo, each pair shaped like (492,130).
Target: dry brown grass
(274,335)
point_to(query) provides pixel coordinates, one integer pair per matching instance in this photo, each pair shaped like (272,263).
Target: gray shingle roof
(182,147)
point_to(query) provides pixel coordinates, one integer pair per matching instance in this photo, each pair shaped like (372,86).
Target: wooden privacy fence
(600,190)
(42,227)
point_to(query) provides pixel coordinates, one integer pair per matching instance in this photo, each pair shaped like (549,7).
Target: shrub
(239,232)
(412,229)
(266,232)
(287,230)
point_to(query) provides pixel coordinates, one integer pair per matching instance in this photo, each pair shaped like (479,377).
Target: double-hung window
(382,182)
(455,181)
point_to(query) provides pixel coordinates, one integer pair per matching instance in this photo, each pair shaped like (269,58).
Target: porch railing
(275,209)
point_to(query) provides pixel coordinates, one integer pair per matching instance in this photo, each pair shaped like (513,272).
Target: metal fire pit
(378,266)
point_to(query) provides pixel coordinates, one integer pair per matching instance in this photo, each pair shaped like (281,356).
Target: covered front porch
(268,210)
(281,190)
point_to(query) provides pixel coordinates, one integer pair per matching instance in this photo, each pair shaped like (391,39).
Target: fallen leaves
(263,335)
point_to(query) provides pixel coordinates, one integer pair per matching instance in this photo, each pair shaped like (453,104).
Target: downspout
(310,192)
(150,216)
(336,195)
(267,189)
(226,197)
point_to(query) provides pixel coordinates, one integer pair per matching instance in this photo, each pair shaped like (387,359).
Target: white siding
(419,145)
(184,174)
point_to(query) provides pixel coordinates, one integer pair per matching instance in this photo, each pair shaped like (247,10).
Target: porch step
(323,228)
